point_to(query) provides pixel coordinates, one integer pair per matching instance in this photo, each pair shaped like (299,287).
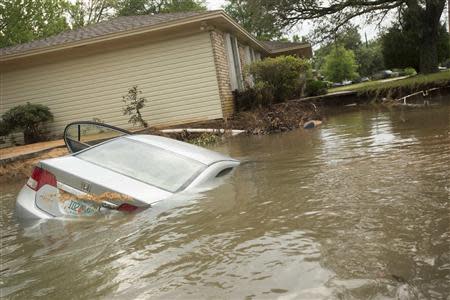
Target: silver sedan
(112,170)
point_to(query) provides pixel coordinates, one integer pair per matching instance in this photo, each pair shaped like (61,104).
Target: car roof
(197,153)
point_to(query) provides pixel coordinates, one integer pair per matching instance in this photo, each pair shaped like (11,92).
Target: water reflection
(357,209)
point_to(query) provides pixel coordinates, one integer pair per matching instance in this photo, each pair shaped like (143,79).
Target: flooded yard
(356,209)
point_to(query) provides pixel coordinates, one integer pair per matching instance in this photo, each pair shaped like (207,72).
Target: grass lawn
(440,78)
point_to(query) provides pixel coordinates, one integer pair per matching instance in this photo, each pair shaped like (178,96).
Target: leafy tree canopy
(340,65)
(85,12)
(255,19)
(22,21)
(143,7)
(370,58)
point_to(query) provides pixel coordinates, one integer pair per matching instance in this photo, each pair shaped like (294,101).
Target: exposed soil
(276,118)
(21,169)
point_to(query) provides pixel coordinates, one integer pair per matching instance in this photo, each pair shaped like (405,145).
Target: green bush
(409,72)
(315,87)
(30,118)
(281,78)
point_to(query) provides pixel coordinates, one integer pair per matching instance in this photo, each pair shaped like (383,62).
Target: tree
(144,7)
(335,14)
(85,12)
(400,48)
(347,37)
(369,58)
(22,21)
(255,19)
(340,65)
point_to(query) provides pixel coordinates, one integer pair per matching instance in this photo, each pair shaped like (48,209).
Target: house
(186,64)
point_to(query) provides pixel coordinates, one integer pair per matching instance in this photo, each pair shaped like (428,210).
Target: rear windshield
(153,165)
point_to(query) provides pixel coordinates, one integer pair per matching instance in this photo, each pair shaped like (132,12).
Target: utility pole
(448,11)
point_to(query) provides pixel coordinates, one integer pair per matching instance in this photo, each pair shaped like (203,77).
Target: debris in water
(312,124)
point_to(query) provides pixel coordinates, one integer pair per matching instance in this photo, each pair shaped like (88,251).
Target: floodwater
(356,209)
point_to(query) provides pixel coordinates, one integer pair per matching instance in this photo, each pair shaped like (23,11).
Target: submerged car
(110,169)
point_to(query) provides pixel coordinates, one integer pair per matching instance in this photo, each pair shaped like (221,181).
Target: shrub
(133,105)
(280,78)
(30,118)
(409,72)
(315,87)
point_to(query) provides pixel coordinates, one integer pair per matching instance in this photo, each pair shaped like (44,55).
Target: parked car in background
(343,83)
(385,74)
(110,169)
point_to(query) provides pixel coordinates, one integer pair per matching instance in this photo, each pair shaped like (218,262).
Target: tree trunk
(429,22)
(429,54)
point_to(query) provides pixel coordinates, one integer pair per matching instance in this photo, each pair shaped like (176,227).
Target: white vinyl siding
(177,76)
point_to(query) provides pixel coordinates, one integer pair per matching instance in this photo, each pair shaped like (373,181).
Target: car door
(84,134)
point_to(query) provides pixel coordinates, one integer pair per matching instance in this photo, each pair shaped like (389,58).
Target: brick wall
(222,71)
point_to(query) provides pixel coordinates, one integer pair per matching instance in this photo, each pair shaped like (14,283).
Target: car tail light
(127,207)
(41,177)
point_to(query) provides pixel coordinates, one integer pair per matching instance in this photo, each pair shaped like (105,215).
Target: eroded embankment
(395,90)
(276,118)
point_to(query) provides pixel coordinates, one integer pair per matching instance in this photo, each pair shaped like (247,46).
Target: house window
(234,62)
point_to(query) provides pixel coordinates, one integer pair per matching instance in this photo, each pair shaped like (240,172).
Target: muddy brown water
(356,209)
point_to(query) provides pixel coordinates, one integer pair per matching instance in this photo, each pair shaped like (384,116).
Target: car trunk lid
(78,176)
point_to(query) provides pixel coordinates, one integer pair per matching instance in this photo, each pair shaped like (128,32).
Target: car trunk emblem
(85,186)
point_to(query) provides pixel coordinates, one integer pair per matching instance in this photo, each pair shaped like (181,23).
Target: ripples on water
(356,209)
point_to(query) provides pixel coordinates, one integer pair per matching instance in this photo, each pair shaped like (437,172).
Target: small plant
(133,105)
(30,118)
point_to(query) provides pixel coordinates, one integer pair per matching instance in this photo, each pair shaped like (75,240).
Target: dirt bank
(276,118)
(21,169)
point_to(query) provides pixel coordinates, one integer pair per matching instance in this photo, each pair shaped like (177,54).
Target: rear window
(153,165)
